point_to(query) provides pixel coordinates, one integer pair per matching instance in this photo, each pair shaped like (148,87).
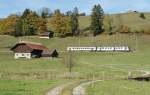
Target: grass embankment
(119,87)
(27,87)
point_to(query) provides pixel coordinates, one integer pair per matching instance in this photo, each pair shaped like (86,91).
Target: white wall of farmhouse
(22,55)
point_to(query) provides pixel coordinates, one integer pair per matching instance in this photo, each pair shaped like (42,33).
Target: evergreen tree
(68,13)
(18,30)
(25,13)
(75,22)
(43,15)
(45,12)
(97,19)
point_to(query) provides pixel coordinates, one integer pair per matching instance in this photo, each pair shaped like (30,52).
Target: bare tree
(68,60)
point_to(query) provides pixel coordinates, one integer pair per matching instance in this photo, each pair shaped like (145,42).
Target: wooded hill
(124,22)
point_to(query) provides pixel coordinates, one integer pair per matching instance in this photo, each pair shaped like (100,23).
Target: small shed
(32,50)
(46,35)
(144,77)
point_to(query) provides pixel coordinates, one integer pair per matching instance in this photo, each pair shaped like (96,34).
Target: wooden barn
(46,35)
(32,50)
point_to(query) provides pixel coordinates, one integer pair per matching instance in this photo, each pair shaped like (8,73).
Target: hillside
(62,43)
(36,76)
(88,65)
(131,20)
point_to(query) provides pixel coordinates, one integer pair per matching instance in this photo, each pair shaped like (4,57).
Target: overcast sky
(110,6)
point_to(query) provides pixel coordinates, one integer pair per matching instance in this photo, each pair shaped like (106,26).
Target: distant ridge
(1,18)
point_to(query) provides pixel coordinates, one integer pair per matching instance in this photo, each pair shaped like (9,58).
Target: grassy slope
(26,87)
(88,65)
(119,88)
(85,61)
(131,20)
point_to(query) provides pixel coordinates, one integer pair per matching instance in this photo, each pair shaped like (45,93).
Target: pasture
(130,19)
(88,65)
(119,87)
(27,87)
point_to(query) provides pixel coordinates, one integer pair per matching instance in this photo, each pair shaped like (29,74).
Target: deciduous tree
(32,23)
(60,24)
(8,25)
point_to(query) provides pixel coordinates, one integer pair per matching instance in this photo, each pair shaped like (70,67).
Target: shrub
(142,16)
(123,29)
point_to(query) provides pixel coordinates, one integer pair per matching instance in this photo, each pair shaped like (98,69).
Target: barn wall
(22,55)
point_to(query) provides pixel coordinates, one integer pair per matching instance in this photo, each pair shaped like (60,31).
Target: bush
(123,29)
(142,16)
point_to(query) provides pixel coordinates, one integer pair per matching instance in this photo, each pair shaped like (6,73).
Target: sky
(8,7)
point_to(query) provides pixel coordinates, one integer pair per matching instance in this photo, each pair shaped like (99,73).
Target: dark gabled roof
(33,46)
(36,47)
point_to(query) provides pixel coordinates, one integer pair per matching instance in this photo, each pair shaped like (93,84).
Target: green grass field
(119,87)
(88,65)
(27,87)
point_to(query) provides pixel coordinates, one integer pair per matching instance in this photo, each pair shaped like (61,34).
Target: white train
(81,48)
(100,49)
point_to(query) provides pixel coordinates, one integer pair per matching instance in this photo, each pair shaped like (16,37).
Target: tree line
(63,24)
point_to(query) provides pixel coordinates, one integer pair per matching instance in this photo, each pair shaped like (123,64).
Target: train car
(81,48)
(105,49)
(100,49)
(122,49)
(127,49)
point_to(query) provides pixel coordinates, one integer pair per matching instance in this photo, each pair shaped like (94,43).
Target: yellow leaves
(60,24)
(7,26)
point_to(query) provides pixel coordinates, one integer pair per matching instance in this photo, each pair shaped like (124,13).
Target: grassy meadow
(27,87)
(88,65)
(119,87)
(36,76)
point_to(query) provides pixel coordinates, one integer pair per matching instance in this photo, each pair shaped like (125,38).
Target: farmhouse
(32,50)
(46,35)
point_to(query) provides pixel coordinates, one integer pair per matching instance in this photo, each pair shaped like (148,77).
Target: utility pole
(79,41)
(136,42)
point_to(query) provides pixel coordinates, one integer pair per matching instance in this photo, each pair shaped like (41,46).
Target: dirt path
(58,90)
(80,89)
